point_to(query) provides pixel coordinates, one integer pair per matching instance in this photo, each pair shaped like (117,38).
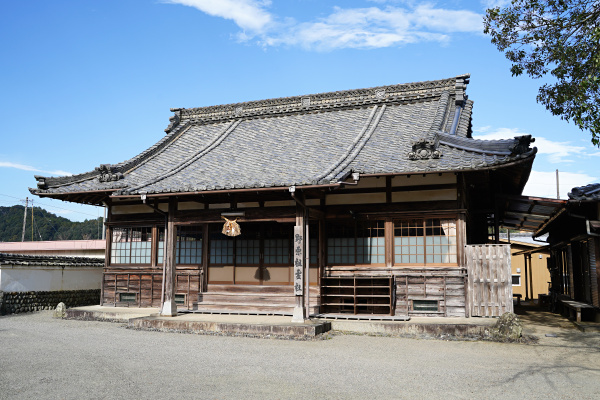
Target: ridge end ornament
(108,173)
(424,149)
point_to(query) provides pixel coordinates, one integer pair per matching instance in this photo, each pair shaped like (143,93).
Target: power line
(51,206)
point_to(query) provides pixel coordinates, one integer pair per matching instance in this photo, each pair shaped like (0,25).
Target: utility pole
(103,226)
(32,220)
(24,219)
(557,189)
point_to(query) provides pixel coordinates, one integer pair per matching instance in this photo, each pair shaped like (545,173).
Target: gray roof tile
(284,142)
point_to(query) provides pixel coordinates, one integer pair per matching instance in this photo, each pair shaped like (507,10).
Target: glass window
(425,241)
(221,249)
(160,250)
(189,245)
(131,245)
(350,243)
(516,280)
(277,251)
(370,243)
(341,246)
(247,251)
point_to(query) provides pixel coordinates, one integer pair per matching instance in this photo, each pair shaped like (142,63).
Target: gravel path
(45,358)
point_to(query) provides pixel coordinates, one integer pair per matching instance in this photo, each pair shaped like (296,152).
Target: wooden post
(531,276)
(496,224)
(169,308)
(107,253)
(526,288)
(306,265)
(299,247)
(389,243)
(205,248)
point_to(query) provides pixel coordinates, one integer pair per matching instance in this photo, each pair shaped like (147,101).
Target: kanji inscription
(298,261)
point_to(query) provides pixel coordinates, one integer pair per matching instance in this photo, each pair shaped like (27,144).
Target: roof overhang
(529,213)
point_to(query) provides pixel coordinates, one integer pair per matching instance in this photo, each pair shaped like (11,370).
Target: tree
(560,37)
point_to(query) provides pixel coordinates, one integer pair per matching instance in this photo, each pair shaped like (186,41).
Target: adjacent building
(574,243)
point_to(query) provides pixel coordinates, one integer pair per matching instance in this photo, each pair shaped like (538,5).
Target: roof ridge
(154,150)
(318,101)
(518,146)
(121,167)
(440,114)
(184,164)
(464,120)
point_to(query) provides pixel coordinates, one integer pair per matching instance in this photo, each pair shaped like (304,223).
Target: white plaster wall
(25,279)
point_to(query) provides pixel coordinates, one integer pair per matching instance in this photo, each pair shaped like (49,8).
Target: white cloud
(247,14)
(23,167)
(543,184)
(495,3)
(372,27)
(557,152)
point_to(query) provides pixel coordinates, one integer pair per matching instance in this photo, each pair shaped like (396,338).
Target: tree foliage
(559,37)
(46,226)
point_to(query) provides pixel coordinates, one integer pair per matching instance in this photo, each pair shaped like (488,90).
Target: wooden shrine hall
(368,201)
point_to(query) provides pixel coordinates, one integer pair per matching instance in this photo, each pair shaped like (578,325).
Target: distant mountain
(46,226)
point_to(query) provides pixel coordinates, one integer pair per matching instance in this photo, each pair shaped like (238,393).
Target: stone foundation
(19,302)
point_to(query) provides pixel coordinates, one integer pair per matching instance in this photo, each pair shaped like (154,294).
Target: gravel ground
(46,358)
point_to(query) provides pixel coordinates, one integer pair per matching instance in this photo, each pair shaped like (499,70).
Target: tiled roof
(306,140)
(55,261)
(588,192)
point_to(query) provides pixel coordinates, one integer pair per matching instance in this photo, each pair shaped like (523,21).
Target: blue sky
(88,82)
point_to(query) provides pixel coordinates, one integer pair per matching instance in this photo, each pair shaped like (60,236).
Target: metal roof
(528,213)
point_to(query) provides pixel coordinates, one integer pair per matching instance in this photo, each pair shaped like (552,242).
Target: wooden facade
(356,202)
(372,256)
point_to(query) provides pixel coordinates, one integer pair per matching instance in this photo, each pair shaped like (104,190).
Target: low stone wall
(18,302)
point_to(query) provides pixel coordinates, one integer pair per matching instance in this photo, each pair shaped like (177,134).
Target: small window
(128,298)
(180,299)
(425,305)
(516,280)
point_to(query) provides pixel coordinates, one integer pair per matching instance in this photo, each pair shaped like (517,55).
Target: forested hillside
(46,226)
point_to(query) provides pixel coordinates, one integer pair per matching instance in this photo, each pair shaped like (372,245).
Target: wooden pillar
(531,277)
(107,252)
(306,265)
(389,242)
(461,242)
(299,260)
(496,223)
(169,308)
(322,255)
(205,244)
(526,289)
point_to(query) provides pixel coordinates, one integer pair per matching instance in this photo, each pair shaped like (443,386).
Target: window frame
(117,253)
(424,226)
(356,227)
